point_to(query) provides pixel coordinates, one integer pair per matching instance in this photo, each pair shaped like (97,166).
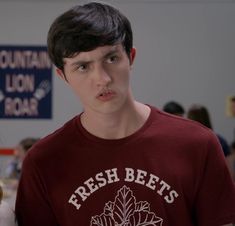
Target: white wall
(186,52)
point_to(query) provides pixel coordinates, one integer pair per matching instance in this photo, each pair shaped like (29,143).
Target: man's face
(19,152)
(100,78)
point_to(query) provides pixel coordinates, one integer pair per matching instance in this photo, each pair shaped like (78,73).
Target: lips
(106,95)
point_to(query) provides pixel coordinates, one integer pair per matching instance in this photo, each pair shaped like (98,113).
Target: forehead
(95,54)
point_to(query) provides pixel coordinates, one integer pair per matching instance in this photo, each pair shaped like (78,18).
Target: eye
(112,59)
(82,67)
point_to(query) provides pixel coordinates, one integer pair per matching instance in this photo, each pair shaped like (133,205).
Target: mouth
(104,92)
(105,95)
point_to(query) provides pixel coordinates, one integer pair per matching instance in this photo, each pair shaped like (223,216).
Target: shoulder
(172,124)
(185,133)
(55,143)
(185,137)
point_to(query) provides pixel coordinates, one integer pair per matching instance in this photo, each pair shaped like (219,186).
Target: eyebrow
(107,55)
(110,53)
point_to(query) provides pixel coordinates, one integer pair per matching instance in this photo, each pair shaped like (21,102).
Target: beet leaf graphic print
(124,206)
(125,211)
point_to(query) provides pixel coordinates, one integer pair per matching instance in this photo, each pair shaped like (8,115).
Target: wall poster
(25,83)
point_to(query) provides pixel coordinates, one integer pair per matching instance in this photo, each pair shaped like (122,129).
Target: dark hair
(28,142)
(200,114)
(86,27)
(173,107)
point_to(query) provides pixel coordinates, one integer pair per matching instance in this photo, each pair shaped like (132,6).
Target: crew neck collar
(109,142)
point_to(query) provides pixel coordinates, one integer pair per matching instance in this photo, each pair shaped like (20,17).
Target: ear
(61,74)
(132,55)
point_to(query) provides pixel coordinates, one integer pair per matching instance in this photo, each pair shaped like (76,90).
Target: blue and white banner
(25,83)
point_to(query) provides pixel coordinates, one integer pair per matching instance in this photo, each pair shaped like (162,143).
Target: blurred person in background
(174,108)
(231,106)
(13,169)
(7,216)
(200,114)
(231,160)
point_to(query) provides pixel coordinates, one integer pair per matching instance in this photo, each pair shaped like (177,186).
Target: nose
(102,76)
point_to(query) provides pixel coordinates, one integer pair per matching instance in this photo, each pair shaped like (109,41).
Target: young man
(119,162)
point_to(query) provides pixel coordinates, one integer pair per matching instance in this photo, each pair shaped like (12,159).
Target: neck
(116,125)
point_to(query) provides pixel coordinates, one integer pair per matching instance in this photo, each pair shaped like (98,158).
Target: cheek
(77,85)
(123,77)
(121,71)
(81,90)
